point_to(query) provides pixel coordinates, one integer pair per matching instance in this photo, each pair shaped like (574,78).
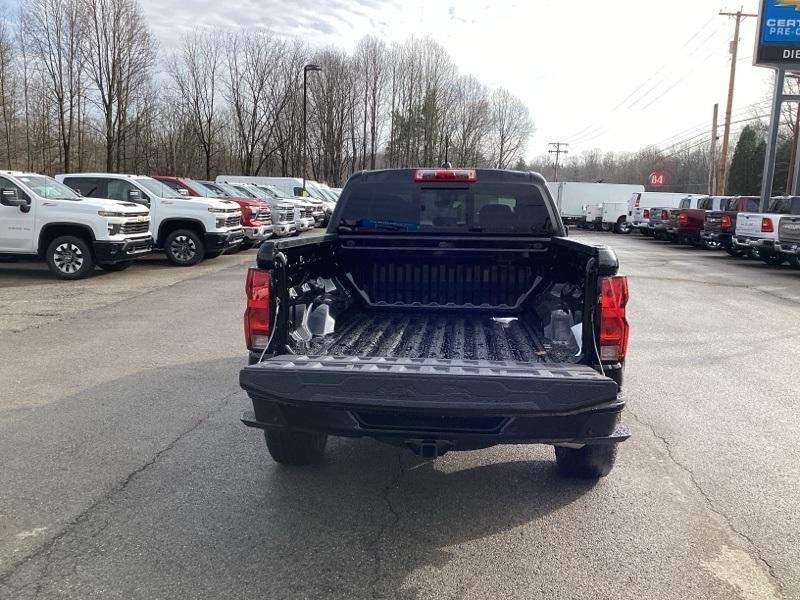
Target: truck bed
(443,334)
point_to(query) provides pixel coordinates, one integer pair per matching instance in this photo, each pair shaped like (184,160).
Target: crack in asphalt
(47,548)
(386,526)
(751,543)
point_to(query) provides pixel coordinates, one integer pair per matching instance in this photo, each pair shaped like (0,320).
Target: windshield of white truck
(158,189)
(47,187)
(501,208)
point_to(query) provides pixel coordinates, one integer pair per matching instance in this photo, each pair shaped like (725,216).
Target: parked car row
(731,223)
(81,220)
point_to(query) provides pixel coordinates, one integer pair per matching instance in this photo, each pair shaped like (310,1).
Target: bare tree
(197,70)
(7,91)
(55,31)
(511,128)
(119,53)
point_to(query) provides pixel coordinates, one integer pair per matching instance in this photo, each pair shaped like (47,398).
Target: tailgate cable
(272,333)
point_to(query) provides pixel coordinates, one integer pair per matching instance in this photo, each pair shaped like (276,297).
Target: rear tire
(773,260)
(589,462)
(794,261)
(296,448)
(115,267)
(184,248)
(622,226)
(735,252)
(70,257)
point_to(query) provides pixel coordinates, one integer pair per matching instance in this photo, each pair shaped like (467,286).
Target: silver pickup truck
(757,233)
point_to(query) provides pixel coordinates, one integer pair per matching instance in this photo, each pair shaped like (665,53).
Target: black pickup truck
(720,225)
(442,310)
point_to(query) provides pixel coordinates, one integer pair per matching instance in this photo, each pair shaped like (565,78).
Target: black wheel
(773,260)
(70,257)
(184,248)
(589,462)
(622,226)
(214,254)
(296,447)
(735,252)
(794,261)
(246,245)
(695,243)
(114,267)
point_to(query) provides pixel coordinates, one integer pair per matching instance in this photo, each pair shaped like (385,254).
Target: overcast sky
(611,75)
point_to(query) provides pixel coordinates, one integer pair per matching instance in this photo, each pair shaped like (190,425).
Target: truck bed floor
(446,335)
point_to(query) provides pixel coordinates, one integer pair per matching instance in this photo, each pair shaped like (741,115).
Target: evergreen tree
(747,166)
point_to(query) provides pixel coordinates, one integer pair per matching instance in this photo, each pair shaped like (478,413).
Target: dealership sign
(656,178)
(778,40)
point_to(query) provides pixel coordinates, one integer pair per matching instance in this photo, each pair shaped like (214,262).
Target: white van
(572,197)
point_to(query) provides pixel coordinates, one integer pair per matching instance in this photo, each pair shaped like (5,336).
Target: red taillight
(646,214)
(766,225)
(468,175)
(256,315)
(683,218)
(638,199)
(614,328)
(725,221)
(665,215)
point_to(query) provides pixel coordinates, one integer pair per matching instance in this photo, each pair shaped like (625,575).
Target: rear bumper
(475,404)
(788,247)
(224,240)
(753,242)
(717,236)
(257,233)
(113,252)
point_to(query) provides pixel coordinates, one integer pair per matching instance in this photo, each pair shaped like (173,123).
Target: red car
(256,214)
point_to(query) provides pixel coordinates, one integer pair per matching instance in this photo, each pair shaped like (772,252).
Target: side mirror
(183,191)
(134,195)
(9,197)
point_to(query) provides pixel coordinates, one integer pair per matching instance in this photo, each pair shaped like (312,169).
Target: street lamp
(306,69)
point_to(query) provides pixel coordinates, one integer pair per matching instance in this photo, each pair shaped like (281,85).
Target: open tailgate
(425,383)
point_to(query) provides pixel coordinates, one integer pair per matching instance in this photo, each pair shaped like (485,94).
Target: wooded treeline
(84,86)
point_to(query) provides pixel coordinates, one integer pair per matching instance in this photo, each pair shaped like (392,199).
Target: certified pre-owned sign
(778,42)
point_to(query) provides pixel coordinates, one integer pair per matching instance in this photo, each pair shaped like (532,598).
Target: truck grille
(308,213)
(129,228)
(235,221)
(789,229)
(286,215)
(264,214)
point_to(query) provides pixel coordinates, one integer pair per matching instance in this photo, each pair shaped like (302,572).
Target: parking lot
(127,474)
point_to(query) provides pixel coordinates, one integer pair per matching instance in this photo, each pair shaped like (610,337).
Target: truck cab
(256,214)
(40,217)
(757,233)
(187,228)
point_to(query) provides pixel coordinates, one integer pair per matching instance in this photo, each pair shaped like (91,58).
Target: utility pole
(712,171)
(734,50)
(556,148)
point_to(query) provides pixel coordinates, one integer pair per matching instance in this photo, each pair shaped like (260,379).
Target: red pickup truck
(688,220)
(720,225)
(256,214)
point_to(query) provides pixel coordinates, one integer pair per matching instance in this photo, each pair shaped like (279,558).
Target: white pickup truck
(41,217)
(187,228)
(757,233)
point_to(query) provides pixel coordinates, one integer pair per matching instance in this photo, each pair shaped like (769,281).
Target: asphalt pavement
(125,472)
